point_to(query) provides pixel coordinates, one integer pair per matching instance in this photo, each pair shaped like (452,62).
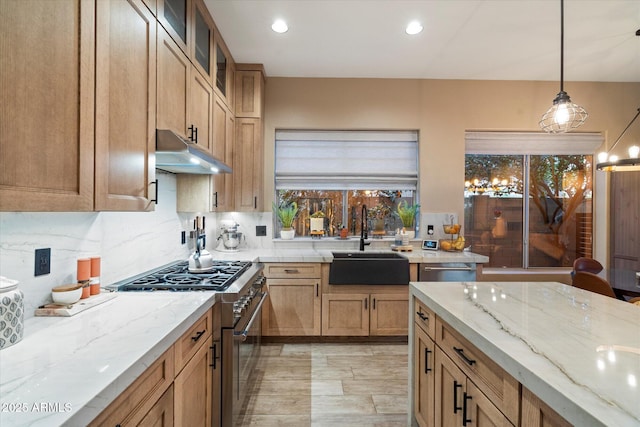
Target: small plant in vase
(407,215)
(286,214)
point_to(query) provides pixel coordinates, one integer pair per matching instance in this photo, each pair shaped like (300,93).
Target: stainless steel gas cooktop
(176,277)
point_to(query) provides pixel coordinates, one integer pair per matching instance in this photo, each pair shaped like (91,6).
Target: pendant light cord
(561,45)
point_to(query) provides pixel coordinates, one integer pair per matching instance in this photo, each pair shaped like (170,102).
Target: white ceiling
(462,39)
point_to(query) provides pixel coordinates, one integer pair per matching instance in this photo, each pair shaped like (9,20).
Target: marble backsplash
(129,243)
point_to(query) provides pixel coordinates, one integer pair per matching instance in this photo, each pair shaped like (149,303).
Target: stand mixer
(230,236)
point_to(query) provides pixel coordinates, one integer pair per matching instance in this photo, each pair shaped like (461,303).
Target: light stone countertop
(66,370)
(305,254)
(576,350)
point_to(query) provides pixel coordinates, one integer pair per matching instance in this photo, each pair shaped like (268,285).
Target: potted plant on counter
(407,215)
(286,214)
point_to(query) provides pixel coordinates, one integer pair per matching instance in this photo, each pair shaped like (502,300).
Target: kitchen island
(67,370)
(576,351)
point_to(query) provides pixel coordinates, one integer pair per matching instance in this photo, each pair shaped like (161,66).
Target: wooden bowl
(66,294)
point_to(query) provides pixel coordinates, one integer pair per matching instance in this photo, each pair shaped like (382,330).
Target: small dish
(67,294)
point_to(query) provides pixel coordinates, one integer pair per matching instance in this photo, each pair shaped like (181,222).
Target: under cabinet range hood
(178,155)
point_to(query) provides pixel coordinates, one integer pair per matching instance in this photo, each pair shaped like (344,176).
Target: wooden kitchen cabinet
(249,83)
(293,306)
(247,165)
(160,414)
(185,98)
(143,399)
(211,193)
(225,68)
(363,314)
(458,401)
(193,390)
(537,413)
(125,106)
(424,373)
(47,79)
(224,123)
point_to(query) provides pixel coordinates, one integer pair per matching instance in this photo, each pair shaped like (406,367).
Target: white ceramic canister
(11,313)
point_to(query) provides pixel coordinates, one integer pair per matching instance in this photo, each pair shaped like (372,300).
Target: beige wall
(442,110)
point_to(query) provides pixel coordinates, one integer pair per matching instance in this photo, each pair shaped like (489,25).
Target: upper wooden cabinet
(249,90)
(201,50)
(175,18)
(185,98)
(47,76)
(125,106)
(225,69)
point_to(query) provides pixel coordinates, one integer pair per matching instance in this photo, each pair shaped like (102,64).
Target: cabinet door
(224,135)
(389,314)
(160,414)
(479,411)
(450,387)
(345,314)
(424,378)
(537,413)
(247,172)
(200,51)
(47,109)
(292,308)
(249,93)
(193,388)
(173,85)
(173,15)
(200,117)
(125,106)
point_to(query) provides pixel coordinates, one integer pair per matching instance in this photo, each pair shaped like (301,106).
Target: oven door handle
(256,313)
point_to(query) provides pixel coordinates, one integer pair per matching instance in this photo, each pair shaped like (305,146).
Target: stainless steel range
(241,287)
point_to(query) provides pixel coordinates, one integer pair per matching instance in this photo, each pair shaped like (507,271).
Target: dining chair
(587,264)
(592,282)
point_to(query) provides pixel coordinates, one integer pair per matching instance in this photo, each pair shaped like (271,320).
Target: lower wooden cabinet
(293,305)
(424,378)
(364,314)
(458,401)
(181,388)
(537,413)
(160,414)
(193,388)
(133,405)
(455,384)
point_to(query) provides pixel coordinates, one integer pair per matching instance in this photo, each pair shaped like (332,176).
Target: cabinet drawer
(500,387)
(189,343)
(425,318)
(292,271)
(131,406)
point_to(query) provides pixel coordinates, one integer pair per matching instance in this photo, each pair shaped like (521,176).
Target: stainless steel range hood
(177,155)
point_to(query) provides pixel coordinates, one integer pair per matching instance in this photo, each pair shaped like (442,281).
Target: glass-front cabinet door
(202,43)
(173,17)
(221,70)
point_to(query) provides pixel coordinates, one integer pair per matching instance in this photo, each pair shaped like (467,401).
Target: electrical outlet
(261,230)
(42,262)
(430,230)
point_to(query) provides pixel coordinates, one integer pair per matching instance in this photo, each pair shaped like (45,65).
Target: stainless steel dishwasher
(447,272)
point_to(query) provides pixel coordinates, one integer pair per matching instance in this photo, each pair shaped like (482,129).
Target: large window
(332,174)
(528,198)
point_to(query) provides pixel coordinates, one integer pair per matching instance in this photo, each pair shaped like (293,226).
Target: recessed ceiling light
(413,28)
(279,26)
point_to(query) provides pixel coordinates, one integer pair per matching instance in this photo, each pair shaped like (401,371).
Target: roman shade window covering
(346,160)
(534,143)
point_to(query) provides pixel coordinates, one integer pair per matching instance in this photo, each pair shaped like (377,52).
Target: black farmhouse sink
(369,268)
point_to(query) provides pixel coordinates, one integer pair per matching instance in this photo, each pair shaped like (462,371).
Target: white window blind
(535,143)
(346,160)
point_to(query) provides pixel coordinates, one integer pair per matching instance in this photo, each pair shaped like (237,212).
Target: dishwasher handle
(448,269)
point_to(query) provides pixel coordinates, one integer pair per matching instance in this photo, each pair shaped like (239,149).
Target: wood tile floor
(326,384)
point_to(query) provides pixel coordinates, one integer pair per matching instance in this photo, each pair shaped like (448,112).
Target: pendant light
(612,163)
(563,115)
